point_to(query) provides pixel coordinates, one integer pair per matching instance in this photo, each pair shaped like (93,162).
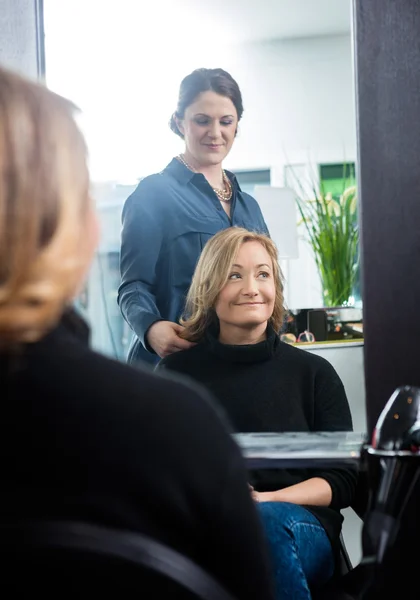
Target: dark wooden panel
(387,67)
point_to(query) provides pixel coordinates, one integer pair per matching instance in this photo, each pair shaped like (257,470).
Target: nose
(250,287)
(214,131)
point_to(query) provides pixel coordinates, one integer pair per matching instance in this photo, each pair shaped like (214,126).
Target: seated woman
(234,311)
(84,437)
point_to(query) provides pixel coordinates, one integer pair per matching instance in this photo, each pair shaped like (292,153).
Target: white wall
(297,93)
(347,360)
(18,36)
(299,102)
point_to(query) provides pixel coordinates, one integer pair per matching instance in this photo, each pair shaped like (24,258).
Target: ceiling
(211,22)
(257,20)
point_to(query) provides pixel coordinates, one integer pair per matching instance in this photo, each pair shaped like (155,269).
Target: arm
(141,245)
(234,526)
(332,413)
(315,492)
(230,536)
(328,487)
(244,549)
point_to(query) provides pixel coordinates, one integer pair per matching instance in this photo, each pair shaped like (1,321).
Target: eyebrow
(257,266)
(208,116)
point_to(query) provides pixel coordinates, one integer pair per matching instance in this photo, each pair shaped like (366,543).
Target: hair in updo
(206,80)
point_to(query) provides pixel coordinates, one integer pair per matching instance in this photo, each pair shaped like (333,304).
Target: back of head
(44,191)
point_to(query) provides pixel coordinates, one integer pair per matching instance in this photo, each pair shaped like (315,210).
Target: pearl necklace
(224,195)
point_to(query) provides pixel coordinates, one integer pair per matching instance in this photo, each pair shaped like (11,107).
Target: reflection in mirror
(123,62)
(293,63)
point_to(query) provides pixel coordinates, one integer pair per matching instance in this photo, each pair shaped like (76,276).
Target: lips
(250,304)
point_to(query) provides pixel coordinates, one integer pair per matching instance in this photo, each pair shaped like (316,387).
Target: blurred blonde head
(47,222)
(212,273)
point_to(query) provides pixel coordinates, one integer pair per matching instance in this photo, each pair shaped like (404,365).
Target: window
(249,179)
(335,178)
(110,333)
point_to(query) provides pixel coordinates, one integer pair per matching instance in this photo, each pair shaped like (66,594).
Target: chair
(61,557)
(360,506)
(345,562)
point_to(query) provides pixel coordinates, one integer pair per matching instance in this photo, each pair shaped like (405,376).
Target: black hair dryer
(393,461)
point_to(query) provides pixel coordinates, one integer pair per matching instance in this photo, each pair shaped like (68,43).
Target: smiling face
(246,302)
(209,128)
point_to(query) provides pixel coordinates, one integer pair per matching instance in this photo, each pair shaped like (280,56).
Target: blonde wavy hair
(44,197)
(212,273)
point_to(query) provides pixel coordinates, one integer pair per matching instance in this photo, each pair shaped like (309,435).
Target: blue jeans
(300,550)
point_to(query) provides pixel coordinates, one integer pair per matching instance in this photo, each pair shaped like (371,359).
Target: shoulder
(318,365)
(328,390)
(126,419)
(166,403)
(150,192)
(184,361)
(249,199)
(108,389)
(156,182)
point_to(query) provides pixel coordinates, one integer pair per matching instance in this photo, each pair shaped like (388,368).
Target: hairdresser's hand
(163,337)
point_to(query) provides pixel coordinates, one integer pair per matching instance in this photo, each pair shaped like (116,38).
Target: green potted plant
(333,234)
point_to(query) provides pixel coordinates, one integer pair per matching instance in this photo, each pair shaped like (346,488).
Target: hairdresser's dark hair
(205,80)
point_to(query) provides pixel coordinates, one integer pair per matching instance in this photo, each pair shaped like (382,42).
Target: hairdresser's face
(209,128)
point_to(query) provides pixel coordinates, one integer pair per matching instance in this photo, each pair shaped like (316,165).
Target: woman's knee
(295,534)
(278,519)
(283,512)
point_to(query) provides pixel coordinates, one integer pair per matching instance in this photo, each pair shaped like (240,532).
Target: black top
(166,222)
(274,387)
(85,437)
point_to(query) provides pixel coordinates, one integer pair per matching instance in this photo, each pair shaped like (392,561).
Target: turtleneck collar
(71,324)
(246,353)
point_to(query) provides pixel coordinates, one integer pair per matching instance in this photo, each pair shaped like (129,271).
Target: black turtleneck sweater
(274,387)
(90,439)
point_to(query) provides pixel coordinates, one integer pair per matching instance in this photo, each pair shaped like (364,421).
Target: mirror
(122,64)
